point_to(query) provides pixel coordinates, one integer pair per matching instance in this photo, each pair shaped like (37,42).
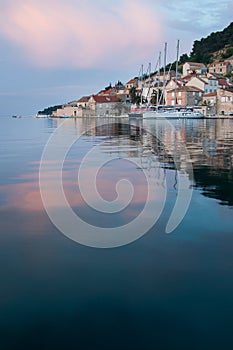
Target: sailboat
(164,111)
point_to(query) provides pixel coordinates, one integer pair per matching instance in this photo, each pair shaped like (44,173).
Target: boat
(41,116)
(172,112)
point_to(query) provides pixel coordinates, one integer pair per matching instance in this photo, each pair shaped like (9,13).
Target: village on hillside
(207,87)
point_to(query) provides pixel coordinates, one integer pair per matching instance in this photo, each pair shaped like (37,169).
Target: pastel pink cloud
(56,33)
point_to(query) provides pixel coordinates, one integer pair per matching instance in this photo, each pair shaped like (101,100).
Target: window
(179,102)
(220,69)
(193,93)
(223,99)
(196,102)
(173,94)
(173,102)
(179,94)
(199,94)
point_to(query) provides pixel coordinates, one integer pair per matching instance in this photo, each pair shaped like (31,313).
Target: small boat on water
(65,116)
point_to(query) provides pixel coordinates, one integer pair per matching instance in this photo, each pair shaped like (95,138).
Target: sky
(56,51)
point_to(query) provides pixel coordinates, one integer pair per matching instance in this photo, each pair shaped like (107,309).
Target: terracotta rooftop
(83,99)
(210,94)
(187,88)
(188,77)
(105,98)
(223,82)
(132,81)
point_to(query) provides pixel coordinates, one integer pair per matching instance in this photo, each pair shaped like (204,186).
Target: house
(83,101)
(210,98)
(70,109)
(193,67)
(209,103)
(225,101)
(172,84)
(184,96)
(107,92)
(198,82)
(132,83)
(103,105)
(220,67)
(211,85)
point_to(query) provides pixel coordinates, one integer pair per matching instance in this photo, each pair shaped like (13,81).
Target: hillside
(218,45)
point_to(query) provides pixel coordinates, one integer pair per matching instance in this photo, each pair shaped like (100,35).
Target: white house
(193,67)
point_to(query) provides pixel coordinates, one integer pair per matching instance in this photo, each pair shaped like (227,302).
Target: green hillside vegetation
(218,45)
(49,110)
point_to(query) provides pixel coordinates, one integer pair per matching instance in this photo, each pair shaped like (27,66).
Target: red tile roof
(105,98)
(186,88)
(188,77)
(83,99)
(132,81)
(210,94)
(223,82)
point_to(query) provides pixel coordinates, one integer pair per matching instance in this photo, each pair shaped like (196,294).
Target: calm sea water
(162,291)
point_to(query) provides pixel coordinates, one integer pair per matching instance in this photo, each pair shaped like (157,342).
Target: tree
(183,58)
(108,87)
(135,98)
(155,96)
(227,53)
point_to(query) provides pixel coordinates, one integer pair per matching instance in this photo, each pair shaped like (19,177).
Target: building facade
(225,102)
(220,67)
(184,96)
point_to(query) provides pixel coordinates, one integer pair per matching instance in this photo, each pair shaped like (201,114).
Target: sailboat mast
(177,59)
(157,96)
(142,85)
(164,72)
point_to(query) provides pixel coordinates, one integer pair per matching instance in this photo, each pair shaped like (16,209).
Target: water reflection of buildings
(210,146)
(208,141)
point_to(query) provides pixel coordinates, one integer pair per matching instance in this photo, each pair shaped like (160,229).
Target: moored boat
(172,112)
